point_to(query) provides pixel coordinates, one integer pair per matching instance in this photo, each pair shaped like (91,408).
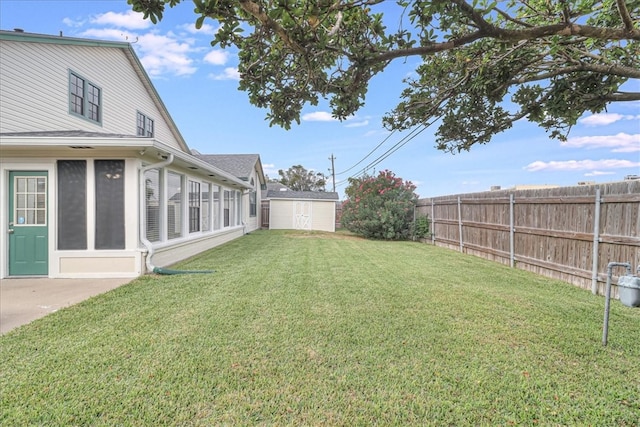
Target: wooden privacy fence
(567,233)
(264,215)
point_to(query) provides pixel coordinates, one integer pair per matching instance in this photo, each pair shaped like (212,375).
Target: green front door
(28,229)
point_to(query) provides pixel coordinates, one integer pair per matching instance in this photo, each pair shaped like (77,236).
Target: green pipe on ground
(167,271)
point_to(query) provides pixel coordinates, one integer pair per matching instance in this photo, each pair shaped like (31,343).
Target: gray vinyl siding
(34,86)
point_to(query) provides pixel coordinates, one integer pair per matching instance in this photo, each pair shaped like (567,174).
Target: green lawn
(321,329)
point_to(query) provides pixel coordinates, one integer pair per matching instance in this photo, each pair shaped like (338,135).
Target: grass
(322,329)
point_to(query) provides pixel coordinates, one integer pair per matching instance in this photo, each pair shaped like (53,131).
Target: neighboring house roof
(277,186)
(20,36)
(273,186)
(239,165)
(307,195)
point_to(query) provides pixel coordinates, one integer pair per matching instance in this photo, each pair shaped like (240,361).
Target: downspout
(143,212)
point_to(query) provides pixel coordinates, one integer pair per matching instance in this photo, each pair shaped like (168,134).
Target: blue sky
(198,84)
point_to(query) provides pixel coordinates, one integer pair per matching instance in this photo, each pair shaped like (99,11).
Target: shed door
(302,215)
(28,229)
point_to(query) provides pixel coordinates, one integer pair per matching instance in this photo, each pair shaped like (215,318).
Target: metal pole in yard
(596,242)
(607,297)
(511,233)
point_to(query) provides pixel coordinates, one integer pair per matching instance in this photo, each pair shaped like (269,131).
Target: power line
(415,132)
(370,153)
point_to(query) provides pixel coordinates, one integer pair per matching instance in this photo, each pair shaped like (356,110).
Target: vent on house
(80,147)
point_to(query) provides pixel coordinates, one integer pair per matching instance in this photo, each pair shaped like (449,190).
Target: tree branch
(624,15)
(617,97)
(513,36)
(255,10)
(602,69)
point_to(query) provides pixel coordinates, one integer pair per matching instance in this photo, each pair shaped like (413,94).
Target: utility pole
(333,172)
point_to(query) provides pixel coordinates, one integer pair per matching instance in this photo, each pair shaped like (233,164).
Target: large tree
(299,178)
(485,64)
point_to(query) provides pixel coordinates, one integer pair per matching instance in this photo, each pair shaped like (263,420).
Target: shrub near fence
(567,233)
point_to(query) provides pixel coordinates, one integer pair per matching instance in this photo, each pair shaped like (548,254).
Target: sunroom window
(174,205)
(194,206)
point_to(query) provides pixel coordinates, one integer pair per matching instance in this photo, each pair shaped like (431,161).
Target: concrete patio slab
(23,300)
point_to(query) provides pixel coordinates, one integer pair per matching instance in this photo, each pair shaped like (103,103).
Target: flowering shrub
(379,207)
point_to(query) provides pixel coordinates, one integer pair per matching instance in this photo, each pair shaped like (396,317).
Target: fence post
(511,233)
(433,225)
(460,224)
(596,243)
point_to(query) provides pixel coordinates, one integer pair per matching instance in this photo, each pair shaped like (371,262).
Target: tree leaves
(297,178)
(486,64)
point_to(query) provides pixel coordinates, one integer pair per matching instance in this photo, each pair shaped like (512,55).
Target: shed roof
(307,195)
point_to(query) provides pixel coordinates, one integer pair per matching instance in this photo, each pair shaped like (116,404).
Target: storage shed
(302,210)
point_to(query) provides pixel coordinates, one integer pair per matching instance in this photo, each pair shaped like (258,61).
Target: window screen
(174,205)
(194,206)
(238,206)
(216,207)
(206,206)
(152,204)
(72,204)
(110,228)
(227,207)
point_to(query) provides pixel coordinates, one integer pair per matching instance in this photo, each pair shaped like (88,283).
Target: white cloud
(73,23)
(270,169)
(606,119)
(319,116)
(165,54)
(229,73)
(111,34)
(129,19)
(357,124)
(325,116)
(598,173)
(573,165)
(159,54)
(217,57)
(620,143)
(205,29)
